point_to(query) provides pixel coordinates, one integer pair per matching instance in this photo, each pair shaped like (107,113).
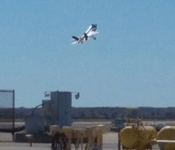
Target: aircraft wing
(79,39)
(74,42)
(92,33)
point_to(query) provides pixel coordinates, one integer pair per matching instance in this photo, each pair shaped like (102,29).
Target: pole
(118,140)
(13,114)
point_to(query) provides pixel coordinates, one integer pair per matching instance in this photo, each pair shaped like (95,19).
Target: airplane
(90,32)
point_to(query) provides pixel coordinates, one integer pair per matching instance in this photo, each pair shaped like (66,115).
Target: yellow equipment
(137,136)
(167,133)
(63,137)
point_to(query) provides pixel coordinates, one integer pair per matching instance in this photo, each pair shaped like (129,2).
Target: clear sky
(131,64)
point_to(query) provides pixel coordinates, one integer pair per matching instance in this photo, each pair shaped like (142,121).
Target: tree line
(98,113)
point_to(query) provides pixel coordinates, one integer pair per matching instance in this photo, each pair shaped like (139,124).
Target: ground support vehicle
(83,138)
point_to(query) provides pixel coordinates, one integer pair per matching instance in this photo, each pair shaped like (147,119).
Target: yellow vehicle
(166,136)
(82,138)
(137,136)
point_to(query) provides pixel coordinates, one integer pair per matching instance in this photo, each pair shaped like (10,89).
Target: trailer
(83,138)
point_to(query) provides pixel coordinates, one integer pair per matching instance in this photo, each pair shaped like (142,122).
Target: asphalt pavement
(110,140)
(109,143)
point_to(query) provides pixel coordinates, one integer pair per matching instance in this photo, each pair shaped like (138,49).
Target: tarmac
(110,140)
(109,143)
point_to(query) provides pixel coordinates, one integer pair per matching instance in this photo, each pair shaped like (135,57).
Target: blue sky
(131,63)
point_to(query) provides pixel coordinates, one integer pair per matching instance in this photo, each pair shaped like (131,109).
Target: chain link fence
(7,111)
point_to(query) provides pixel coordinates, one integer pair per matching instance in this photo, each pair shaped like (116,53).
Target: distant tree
(144,117)
(82,115)
(158,115)
(170,115)
(134,114)
(114,115)
(74,116)
(153,115)
(106,116)
(93,115)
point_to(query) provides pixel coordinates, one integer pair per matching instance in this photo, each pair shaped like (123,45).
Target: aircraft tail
(94,26)
(76,38)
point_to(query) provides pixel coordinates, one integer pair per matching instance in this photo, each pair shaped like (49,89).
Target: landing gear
(86,37)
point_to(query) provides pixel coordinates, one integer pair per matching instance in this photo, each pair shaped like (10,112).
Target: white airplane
(90,32)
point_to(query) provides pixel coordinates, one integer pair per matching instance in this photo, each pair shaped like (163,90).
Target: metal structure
(137,136)
(7,110)
(62,108)
(55,111)
(127,113)
(165,144)
(166,138)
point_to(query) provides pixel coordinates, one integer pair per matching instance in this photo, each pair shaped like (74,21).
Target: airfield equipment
(83,138)
(56,114)
(166,136)
(137,136)
(55,111)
